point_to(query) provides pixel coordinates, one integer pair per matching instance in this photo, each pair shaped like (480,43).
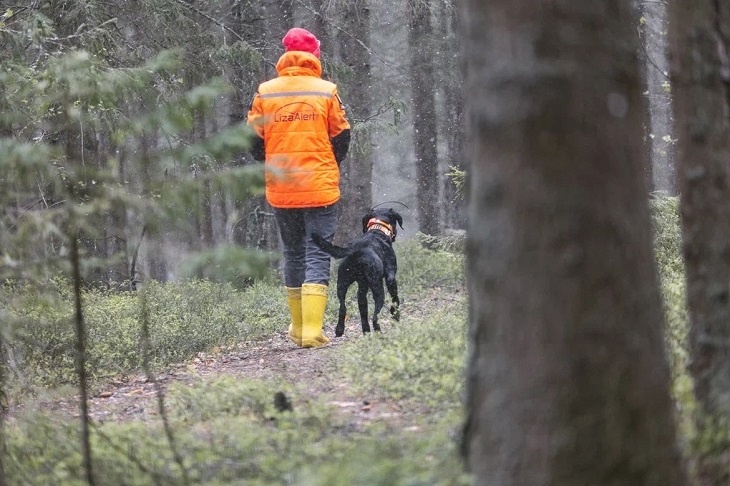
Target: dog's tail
(327,247)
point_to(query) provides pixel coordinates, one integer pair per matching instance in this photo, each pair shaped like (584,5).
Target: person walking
(302,135)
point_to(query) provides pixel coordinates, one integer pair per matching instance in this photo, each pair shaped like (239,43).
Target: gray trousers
(304,262)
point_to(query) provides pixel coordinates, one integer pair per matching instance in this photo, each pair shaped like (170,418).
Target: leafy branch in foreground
(64,122)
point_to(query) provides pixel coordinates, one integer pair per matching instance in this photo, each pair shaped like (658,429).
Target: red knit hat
(301,40)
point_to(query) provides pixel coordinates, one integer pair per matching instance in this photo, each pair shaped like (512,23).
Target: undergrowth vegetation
(226,428)
(228,432)
(184,318)
(420,362)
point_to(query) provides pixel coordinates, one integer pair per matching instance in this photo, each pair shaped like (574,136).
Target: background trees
(239,43)
(567,358)
(355,55)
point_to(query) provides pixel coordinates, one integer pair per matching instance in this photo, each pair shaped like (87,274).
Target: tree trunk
(320,25)
(156,258)
(660,100)
(700,76)
(453,121)
(425,136)
(115,227)
(278,15)
(356,172)
(4,405)
(567,379)
(644,66)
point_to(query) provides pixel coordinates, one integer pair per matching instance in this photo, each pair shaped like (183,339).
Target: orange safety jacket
(297,114)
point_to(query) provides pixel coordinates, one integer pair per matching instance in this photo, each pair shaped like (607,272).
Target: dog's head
(384,219)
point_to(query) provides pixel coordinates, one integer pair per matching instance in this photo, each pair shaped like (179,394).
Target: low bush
(184,318)
(422,268)
(418,360)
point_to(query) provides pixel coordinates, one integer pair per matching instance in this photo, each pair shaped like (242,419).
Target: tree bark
(700,72)
(278,15)
(660,100)
(452,126)
(567,379)
(425,132)
(356,172)
(4,406)
(321,25)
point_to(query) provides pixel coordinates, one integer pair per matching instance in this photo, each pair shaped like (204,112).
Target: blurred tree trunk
(654,15)
(157,266)
(255,225)
(567,380)
(644,66)
(453,122)
(205,221)
(356,172)
(423,86)
(700,34)
(320,25)
(247,20)
(80,146)
(115,226)
(278,16)
(4,399)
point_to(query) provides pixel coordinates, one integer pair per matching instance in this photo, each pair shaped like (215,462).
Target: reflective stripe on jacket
(297,114)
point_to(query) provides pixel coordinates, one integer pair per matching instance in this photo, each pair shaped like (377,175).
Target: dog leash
(388,202)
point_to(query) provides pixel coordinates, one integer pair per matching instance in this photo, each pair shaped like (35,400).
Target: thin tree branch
(133,265)
(159,392)
(212,19)
(220,24)
(12,18)
(362,44)
(4,404)
(157,478)
(382,109)
(653,63)
(81,356)
(60,40)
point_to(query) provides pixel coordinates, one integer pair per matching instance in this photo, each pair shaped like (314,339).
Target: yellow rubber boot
(294,301)
(314,301)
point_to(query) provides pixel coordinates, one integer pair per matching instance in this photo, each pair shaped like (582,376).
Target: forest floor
(274,358)
(380,408)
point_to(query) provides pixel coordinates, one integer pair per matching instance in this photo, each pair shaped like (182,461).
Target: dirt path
(273,358)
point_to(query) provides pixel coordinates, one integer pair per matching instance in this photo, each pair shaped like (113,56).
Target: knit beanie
(301,40)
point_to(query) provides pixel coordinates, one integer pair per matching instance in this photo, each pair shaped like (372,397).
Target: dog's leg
(341,294)
(362,305)
(379,298)
(392,285)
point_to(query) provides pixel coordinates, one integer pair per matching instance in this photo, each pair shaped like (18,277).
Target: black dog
(367,260)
